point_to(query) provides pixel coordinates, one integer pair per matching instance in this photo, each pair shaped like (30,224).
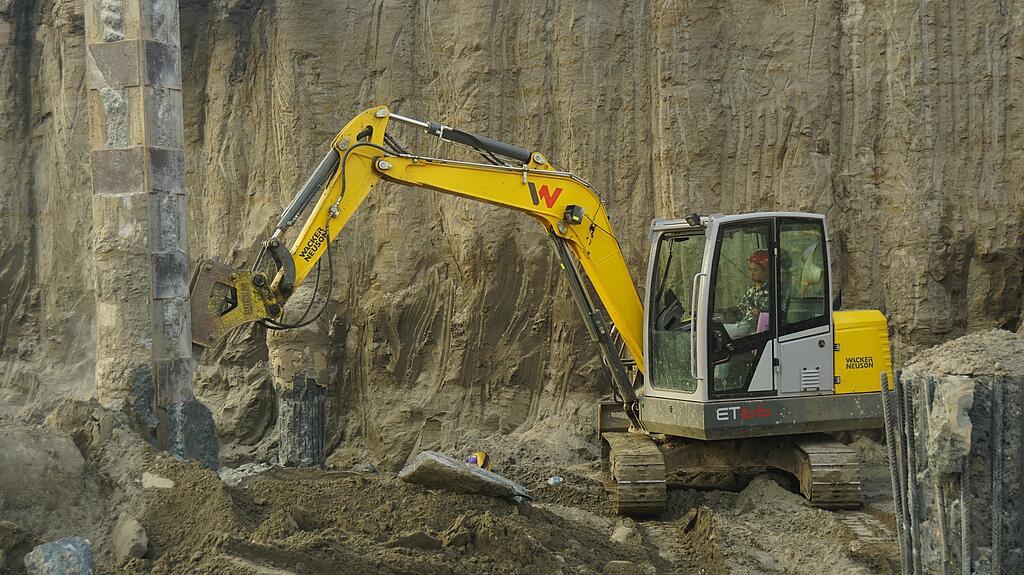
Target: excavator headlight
(573,214)
(693,219)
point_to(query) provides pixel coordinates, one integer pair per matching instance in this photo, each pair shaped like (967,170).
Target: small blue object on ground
(67,556)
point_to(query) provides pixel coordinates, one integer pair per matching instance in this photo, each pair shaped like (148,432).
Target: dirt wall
(901,122)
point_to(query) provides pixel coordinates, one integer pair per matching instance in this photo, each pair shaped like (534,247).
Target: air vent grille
(810,378)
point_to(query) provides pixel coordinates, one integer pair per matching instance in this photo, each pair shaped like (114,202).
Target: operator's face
(758,274)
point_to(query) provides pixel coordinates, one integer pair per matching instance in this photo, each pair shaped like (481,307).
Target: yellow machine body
(861,350)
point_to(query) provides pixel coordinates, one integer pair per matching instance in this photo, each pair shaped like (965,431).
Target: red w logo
(549,197)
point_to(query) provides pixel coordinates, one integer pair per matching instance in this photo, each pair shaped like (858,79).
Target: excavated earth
(449,327)
(355,518)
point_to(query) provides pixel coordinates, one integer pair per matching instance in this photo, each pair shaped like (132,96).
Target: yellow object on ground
(862,350)
(479,459)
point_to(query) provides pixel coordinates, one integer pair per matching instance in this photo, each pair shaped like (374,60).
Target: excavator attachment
(224,298)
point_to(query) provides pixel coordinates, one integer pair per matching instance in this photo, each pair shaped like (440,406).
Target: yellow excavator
(734,361)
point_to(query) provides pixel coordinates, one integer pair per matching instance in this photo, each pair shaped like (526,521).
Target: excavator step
(635,474)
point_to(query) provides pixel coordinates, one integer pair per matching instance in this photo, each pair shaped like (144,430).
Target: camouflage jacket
(755,298)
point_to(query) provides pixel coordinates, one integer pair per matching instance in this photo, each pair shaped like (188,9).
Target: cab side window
(803,276)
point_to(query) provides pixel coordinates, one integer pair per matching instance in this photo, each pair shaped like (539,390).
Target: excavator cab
(740,338)
(745,361)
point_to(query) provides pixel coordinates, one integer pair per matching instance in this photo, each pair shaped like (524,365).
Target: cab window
(742,299)
(803,276)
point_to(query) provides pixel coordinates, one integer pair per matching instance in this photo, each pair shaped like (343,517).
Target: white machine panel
(806,364)
(764,374)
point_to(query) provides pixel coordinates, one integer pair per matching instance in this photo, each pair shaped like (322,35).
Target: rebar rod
(965,518)
(894,473)
(911,473)
(997,478)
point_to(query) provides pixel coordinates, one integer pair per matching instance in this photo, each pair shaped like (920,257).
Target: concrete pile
(959,491)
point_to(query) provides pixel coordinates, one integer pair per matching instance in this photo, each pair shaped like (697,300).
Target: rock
(948,437)
(689,520)
(67,556)
(71,415)
(38,467)
(458,535)
(459,538)
(152,481)
(235,476)
(130,540)
(15,542)
(416,540)
(626,534)
(622,568)
(44,482)
(365,467)
(304,518)
(236,386)
(438,471)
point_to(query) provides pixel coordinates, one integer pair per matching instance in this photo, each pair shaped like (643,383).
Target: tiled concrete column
(143,335)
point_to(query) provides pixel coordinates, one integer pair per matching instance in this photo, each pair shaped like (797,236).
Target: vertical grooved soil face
(453,312)
(449,320)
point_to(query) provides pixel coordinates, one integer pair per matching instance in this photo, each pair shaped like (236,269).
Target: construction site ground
(354,518)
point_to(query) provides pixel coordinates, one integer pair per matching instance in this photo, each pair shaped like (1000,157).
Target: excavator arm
(568,208)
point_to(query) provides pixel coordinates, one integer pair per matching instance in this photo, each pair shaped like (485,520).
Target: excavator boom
(569,209)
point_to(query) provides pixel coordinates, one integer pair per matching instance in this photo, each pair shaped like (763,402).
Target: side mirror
(837,302)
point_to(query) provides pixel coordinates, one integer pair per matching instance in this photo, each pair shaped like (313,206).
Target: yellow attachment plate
(863,353)
(224,298)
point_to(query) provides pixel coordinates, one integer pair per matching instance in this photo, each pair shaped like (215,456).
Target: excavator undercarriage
(639,467)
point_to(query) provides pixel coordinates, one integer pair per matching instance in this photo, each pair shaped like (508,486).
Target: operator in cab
(755,301)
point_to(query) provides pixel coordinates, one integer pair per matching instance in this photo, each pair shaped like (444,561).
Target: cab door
(741,325)
(804,307)
(673,335)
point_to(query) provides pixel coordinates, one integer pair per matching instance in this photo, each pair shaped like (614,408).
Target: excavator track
(829,473)
(635,474)
(639,469)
